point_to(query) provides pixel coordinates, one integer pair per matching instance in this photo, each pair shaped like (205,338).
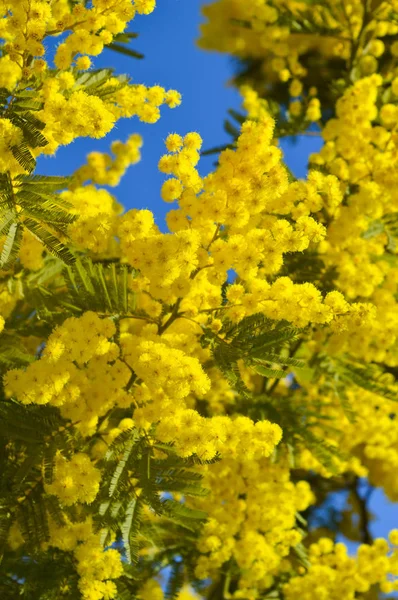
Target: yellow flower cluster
(365,159)
(355,186)
(169,376)
(232,237)
(24,25)
(71,113)
(95,567)
(102,169)
(365,450)
(31,252)
(253,521)
(152,590)
(166,260)
(164,369)
(96,211)
(359,147)
(368,330)
(207,241)
(68,110)
(281,35)
(334,574)
(79,371)
(10,73)
(225,222)
(75,480)
(193,434)
(8,300)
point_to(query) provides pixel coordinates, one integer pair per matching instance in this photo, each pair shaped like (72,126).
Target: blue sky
(166,38)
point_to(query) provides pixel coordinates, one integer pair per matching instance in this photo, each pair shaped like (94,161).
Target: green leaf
(94,82)
(125,37)
(29,424)
(28,122)
(4,95)
(101,287)
(123,50)
(104,288)
(51,243)
(31,128)
(24,156)
(122,465)
(359,377)
(216,149)
(48,215)
(175,581)
(130,527)
(181,512)
(271,373)
(374,229)
(12,353)
(231,129)
(26,103)
(45,183)
(6,219)
(37,197)
(249,340)
(238,116)
(281,360)
(52,268)
(11,246)
(92,79)
(6,191)
(302,555)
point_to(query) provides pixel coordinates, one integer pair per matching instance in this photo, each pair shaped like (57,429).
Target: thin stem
(364,517)
(214,236)
(171,319)
(292,353)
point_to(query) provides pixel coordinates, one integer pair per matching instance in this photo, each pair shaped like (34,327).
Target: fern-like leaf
(51,243)
(175,581)
(24,156)
(11,246)
(130,528)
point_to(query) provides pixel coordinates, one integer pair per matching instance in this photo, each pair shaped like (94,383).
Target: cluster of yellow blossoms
(26,24)
(102,169)
(334,574)
(152,590)
(85,374)
(283,38)
(152,371)
(95,567)
(76,480)
(80,371)
(253,521)
(69,111)
(69,107)
(365,451)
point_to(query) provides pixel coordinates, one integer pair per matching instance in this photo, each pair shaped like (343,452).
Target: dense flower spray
(179,406)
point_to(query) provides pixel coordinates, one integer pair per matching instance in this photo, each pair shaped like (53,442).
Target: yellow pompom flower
(174,142)
(83,63)
(171,190)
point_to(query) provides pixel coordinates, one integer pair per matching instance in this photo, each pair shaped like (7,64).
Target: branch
(364,516)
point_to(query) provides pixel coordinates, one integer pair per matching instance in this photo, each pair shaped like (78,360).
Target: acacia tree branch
(363,509)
